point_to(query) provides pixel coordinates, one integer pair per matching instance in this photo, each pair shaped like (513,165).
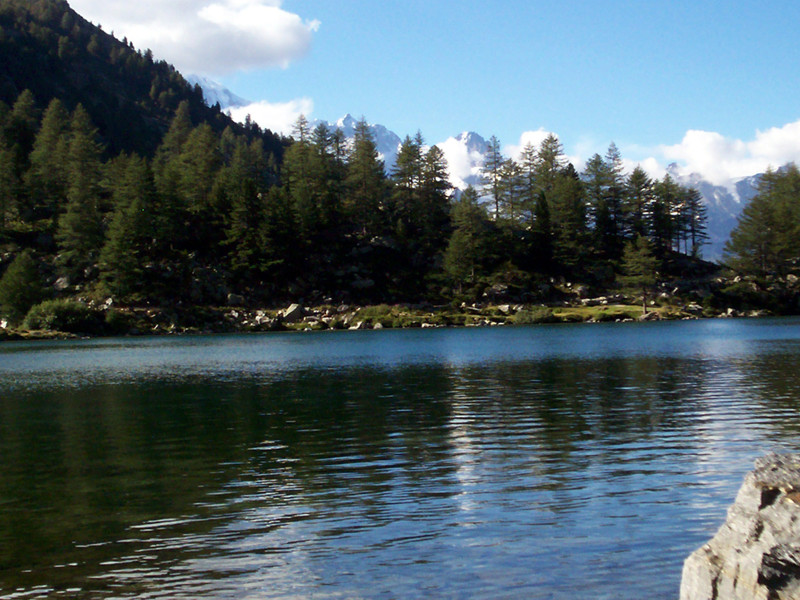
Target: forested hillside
(130,96)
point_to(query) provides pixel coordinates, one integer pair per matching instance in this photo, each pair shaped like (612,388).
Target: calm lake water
(561,461)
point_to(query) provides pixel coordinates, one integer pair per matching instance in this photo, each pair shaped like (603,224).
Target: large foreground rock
(755,555)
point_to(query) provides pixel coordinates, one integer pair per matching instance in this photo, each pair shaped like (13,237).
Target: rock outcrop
(755,555)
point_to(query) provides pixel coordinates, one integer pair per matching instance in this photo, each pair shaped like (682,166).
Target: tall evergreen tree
(366,185)
(550,163)
(695,214)
(491,174)
(468,250)
(132,237)
(638,201)
(46,179)
(80,234)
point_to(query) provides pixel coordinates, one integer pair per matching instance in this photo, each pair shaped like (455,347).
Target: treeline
(211,215)
(545,217)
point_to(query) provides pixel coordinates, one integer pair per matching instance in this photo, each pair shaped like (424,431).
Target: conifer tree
(640,267)
(491,174)
(569,220)
(132,237)
(695,220)
(434,198)
(20,287)
(366,184)
(638,200)
(79,234)
(406,192)
(550,163)
(468,250)
(47,178)
(664,229)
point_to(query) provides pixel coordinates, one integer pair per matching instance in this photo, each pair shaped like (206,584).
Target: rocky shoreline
(237,317)
(755,555)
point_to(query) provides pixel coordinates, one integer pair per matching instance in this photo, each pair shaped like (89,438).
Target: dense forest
(116,181)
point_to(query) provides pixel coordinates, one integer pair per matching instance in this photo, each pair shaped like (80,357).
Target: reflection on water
(530,462)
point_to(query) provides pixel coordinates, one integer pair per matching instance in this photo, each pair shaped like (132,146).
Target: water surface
(532,462)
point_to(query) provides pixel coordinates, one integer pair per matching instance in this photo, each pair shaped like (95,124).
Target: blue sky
(643,74)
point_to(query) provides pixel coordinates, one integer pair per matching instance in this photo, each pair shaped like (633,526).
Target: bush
(539,314)
(65,315)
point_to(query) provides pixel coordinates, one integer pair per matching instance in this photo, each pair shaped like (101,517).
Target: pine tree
(569,221)
(549,164)
(468,250)
(640,267)
(664,226)
(696,219)
(491,174)
(16,142)
(638,199)
(80,234)
(434,199)
(615,198)
(366,185)
(132,237)
(20,287)
(595,180)
(529,188)
(406,192)
(47,177)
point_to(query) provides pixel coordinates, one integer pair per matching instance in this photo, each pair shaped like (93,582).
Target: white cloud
(278,117)
(534,138)
(650,165)
(463,164)
(207,36)
(720,159)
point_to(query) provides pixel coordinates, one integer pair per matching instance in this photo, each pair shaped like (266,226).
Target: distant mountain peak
(214,92)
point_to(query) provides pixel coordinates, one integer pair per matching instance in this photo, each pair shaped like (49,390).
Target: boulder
(293,313)
(755,555)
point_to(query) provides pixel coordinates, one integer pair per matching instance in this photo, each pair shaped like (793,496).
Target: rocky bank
(755,555)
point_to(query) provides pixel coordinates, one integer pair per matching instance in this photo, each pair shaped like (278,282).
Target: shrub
(65,315)
(538,314)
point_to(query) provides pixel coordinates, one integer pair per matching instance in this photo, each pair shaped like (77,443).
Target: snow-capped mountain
(387,142)
(214,93)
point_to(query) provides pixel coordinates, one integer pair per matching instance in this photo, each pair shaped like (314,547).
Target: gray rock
(293,313)
(61,284)
(755,555)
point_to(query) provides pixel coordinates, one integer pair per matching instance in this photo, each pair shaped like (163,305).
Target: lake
(537,462)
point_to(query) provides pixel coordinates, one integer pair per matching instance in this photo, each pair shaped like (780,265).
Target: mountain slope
(48,48)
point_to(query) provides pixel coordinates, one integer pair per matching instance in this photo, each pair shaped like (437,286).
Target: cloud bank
(278,117)
(207,36)
(720,159)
